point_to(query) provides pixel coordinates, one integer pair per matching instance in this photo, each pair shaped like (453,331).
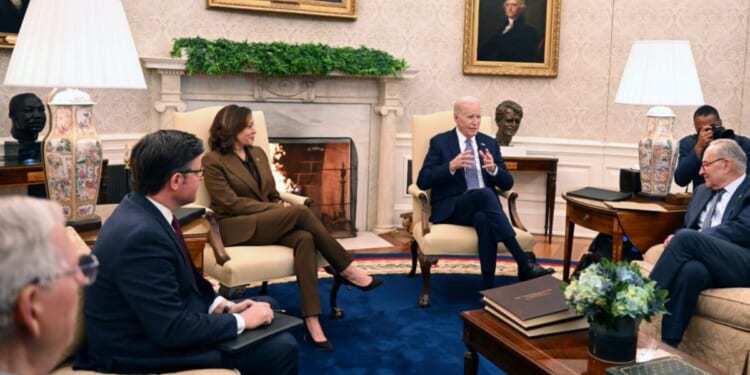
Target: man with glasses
(40,277)
(713,249)
(151,311)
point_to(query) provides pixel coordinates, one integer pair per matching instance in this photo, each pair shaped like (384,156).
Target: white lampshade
(75,43)
(660,72)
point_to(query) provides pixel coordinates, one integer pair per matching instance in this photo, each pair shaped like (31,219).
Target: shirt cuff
(496,170)
(217,301)
(240,323)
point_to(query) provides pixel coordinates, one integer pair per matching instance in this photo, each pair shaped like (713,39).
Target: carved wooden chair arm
(515,218)
(424,201)
(214,239)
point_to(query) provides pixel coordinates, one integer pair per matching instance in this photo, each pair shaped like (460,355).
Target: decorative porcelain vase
(657,153)
(72,156)
(616,342)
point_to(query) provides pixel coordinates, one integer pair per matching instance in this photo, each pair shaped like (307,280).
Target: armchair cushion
(457,239)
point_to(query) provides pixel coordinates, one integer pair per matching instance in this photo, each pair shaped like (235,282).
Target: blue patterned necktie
(472,178)
(712,208)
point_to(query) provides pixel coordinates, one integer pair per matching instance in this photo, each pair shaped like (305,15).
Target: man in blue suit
(151,311)
(713,250)
(462,167)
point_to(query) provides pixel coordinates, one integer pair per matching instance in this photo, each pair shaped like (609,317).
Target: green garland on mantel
(279,59)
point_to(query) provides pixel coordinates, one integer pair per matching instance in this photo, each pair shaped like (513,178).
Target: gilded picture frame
(346,9)
(528,47)
(11,16)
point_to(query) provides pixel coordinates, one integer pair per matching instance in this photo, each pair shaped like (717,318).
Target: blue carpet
(384,331)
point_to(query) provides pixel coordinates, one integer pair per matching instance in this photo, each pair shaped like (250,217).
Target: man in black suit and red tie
(713,249)
(462,167)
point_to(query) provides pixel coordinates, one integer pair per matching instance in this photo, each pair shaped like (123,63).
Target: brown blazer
(235,194)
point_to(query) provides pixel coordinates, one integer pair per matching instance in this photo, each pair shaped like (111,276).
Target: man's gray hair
(521,3)
(729,149)
(458,104)
(26,253)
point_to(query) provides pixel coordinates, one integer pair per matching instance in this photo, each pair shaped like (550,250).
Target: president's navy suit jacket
(736,220)
(446,188)
(147,310)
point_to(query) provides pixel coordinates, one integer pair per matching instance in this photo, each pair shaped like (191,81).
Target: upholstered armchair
(432,240)
(719,332)
(234,267)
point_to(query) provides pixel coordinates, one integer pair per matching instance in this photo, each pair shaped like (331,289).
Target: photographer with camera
(708,127)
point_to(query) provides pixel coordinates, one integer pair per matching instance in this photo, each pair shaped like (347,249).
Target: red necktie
(183,246)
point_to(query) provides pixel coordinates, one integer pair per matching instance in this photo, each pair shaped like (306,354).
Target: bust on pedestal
(28,118)
(508,116)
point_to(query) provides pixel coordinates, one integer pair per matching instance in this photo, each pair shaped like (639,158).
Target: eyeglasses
(707,164)
(87,268)
(198,172)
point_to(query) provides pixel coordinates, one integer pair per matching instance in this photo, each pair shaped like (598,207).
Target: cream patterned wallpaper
(577,105)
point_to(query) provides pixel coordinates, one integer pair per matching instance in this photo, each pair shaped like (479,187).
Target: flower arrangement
(605,292)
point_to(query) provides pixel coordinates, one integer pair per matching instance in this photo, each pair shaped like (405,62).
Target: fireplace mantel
(384,94)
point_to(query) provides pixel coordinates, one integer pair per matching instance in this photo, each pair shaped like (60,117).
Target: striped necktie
(712,208)
(472,178)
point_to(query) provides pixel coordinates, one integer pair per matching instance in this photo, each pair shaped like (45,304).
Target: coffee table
(514,353)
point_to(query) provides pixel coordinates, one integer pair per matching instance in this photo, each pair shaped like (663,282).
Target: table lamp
(660,73)
(74,44)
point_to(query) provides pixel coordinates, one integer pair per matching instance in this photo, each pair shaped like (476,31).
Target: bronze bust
(26,112)
(508,115)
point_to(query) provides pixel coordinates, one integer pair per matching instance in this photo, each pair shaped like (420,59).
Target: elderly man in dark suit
(713,250)
(151,311)
(462,167)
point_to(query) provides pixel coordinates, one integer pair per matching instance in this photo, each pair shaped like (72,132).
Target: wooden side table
(195,233)
(539,164)
(643,228)
(562,353)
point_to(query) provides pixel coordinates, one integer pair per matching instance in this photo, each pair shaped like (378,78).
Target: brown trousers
(298,228)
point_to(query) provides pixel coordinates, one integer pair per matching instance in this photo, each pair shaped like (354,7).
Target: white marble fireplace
(363,109)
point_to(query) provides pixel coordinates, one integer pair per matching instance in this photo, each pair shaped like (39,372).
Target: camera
(721,132)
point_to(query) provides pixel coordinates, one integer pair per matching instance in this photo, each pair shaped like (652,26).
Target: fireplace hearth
(324,170)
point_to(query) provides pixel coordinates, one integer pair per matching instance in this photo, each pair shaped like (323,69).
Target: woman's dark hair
(229,122)
(159,155)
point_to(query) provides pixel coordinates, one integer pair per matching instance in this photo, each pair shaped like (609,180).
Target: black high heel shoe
(323,346)
(374,283)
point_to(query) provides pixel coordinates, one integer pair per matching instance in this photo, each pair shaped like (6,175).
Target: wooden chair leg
(231,293)
(426,262)
(336,311)
(413,246)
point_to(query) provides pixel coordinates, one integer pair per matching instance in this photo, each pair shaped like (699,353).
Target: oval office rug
(384,331)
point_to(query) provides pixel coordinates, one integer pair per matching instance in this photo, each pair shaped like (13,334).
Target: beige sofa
(719,332)
(64,367)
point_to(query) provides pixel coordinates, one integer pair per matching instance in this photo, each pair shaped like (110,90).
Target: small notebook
(187,214)
(281,322)
(599,194)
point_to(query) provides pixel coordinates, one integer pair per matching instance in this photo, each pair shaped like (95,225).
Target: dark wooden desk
(516,354)
(643,228)
(539,164)
(195,233)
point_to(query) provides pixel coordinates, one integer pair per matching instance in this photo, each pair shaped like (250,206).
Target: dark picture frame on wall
(529,46)
(322,8)
(11,16)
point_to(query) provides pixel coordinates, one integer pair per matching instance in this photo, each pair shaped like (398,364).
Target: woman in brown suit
(244,196)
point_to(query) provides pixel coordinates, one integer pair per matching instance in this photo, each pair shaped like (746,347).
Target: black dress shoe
(374,283)
(532,271)
(323,346)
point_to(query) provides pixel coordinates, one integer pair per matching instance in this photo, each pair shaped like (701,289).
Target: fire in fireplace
(325,170)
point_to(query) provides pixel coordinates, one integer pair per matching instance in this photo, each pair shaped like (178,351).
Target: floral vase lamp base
(657,154)
(72,156)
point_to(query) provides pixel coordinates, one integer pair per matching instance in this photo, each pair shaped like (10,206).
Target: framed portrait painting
(511,37)
(11,16)
(323,8)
